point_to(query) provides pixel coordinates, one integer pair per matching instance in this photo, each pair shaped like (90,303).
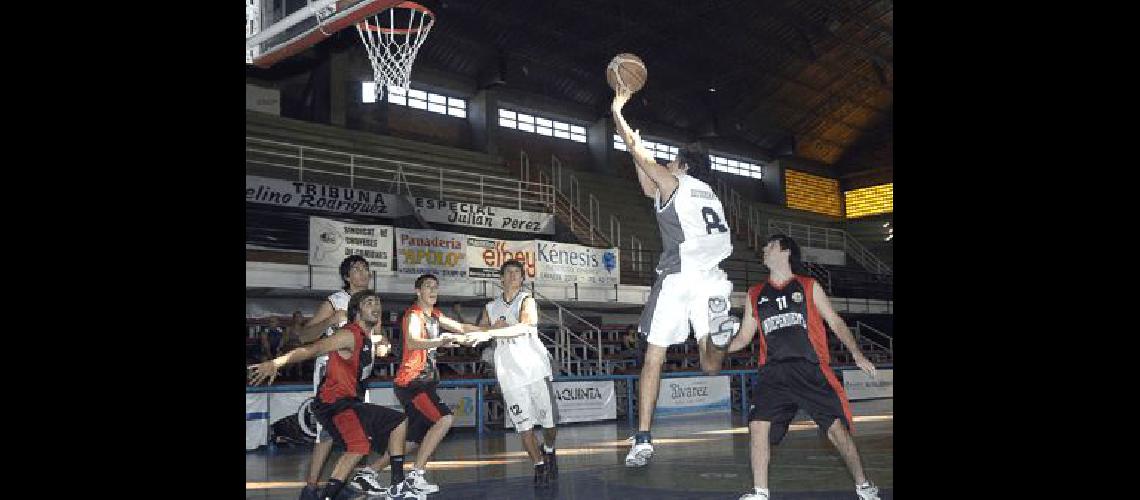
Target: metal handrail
(445,183)
(569,333)
(595,215)
(556,172)
(833,239)
(635,248)
(614,219)
(890,340)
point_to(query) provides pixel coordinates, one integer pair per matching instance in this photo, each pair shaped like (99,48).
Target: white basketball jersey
(520,360)
(694,229)
(339,301)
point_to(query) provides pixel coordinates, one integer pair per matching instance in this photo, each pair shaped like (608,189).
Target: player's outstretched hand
(477,337)
(452,339)
(261,372)
(866,365)
(621,96)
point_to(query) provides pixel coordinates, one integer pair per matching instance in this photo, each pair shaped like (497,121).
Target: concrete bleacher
(370,144)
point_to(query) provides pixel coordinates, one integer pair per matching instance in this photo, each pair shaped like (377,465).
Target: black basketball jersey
(784,317)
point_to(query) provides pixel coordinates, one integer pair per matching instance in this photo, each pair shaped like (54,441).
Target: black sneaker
(551,464)
(540,475)
(310,492)
(366,481)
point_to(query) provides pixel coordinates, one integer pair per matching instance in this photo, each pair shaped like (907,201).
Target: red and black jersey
(789,323)
(418,365)
(344,377)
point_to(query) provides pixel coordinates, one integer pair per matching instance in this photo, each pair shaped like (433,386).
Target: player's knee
(837,431)
(444,422)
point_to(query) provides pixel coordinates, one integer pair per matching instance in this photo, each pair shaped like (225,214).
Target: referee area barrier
(728,390)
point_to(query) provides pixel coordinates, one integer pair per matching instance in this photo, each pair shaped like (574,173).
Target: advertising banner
(858,385)
(330,241)
(297,194)
(693,395)
(476,215)
(585,400)
(486,255)
(423,251)
(569,263)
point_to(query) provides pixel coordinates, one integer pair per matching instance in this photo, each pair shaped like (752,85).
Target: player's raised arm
(650,175)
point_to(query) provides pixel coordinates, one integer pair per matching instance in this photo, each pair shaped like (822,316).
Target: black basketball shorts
(783,387)
(423,406)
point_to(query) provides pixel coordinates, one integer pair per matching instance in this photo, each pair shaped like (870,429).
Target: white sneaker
(366,480)
(639,454)
(867,491)
(417,478)
(404,490)
(757,494)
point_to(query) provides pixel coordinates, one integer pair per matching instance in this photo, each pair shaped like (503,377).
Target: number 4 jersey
(694,230)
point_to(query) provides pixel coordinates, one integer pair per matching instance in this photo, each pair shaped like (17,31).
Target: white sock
(760,490)
(547,449)
(538,464)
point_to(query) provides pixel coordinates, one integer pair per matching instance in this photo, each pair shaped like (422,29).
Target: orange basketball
(626,70)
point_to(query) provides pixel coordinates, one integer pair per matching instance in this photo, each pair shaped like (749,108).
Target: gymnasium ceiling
(813,78)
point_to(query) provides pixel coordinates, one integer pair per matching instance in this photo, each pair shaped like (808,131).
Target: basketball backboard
(277,29)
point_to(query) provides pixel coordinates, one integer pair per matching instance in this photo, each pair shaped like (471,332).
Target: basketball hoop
(392,38)
(322,13)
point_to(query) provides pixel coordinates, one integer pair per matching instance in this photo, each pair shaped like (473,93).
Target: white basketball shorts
(531,405)
(680,299)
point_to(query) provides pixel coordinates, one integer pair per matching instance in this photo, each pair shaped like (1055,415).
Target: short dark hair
(695,159)
(512,263)
(794,255)
(424,277)
(356,299)
(346,267)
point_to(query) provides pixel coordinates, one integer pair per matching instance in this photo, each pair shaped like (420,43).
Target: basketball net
(392,38)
